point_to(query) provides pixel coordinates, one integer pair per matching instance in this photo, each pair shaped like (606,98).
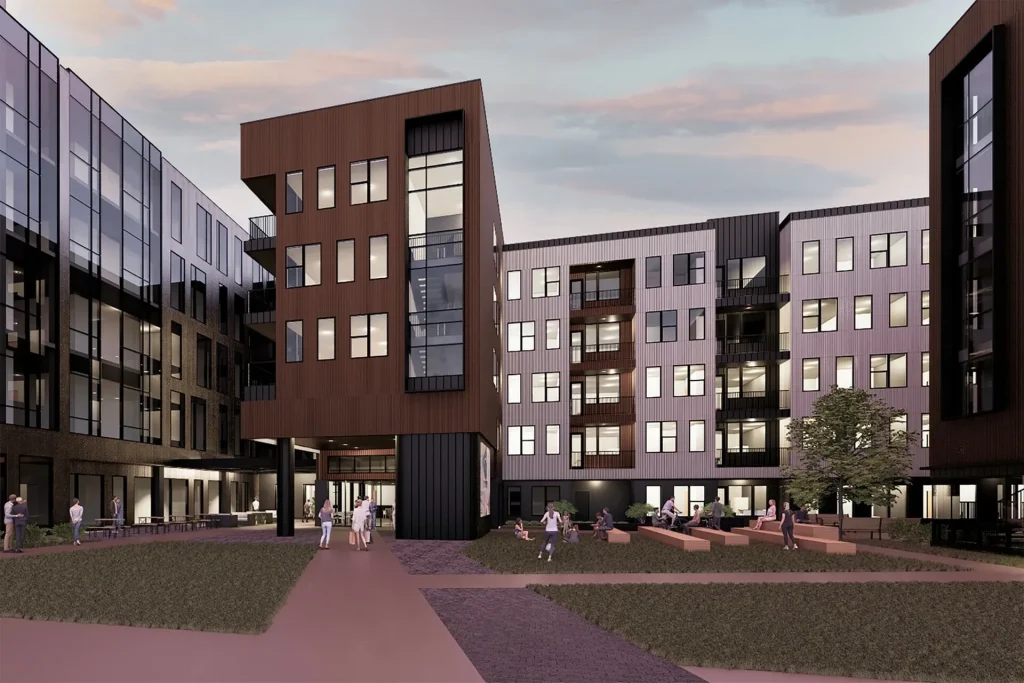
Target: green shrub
(564,507)
(639,511)
(64,532)
(726,511)
(912,531)
(34,536)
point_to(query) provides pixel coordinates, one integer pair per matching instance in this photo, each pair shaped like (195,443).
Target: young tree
(854,445)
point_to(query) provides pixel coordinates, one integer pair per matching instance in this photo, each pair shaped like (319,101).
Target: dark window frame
(662,439)
(334,187)
(803,261)
(906,309)
(662,327)
(888,250)
(871,321)
(803,378)
(302,188)
(302,342)
(818,328)
(649,279)
(853,254)
(702,314)
(683,274)
(301,268)
(367,194)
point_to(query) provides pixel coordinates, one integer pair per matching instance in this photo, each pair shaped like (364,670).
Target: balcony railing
(261,300)
(602,460)
(751,457)
(614,405)
(601,352)
(262,227)
(602,299)
(262,382)
(752,400)
(753,343)
(752,286)
(435,249)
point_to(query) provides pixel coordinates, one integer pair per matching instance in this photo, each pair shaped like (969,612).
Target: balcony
(595,357)
(760,286)
(262,385)
(605,410)
(261,311)
(262,243)
(751,457)
(605,302)
(753,344)
(608,460)
(752,401)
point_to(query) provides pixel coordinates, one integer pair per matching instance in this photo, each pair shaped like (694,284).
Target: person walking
(19,511)
(118,510)
(551,521)
(372,521)
(326,522)
(307,510)
(359,524)
(9,523)
(788,540)
(716,514)
(76,513)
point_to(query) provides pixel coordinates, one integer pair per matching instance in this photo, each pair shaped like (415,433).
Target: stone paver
(436,557)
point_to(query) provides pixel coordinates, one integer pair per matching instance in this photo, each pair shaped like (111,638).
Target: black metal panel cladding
(414,385)
(438,487)
(435,133)
(855,209)
(746,236)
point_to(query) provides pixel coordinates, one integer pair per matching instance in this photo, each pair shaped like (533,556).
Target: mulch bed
(436,557)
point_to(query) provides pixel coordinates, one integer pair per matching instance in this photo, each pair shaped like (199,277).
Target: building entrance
(345,493)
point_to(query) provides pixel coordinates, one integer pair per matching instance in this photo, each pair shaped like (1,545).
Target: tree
(853,444)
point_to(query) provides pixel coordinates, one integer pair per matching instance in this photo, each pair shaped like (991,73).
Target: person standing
(788,540)
(326,522)
(372,521)
(76,513)
(551,521)
(359,524)
(716,514)
(118,510)
(307,510)
(19,511)
(9,523)
(255,504)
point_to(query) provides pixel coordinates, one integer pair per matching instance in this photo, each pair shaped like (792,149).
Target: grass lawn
(503,553)
(924,548)
(231,587)
(917,631)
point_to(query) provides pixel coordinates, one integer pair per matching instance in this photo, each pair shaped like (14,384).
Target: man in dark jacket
(716,513)
(20,514)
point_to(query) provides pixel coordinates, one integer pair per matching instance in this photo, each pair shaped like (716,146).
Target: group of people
(555,523)
(669,515)
(790,515)
(15,523)
(364,521)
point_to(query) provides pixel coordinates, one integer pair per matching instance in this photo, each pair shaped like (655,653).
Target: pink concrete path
(351,617)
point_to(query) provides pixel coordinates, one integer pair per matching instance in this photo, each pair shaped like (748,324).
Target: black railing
(261,300)
(601,460)
(995,536)
(605,297)
(753,343)
(751,286)
(751,457)
(614,405)
(262,227)
(752,400)
(435,248)
(599,352)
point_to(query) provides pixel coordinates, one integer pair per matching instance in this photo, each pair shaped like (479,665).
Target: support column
(286,487)
(156,495)
(322,492)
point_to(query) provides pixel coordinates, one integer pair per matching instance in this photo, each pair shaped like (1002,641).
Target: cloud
(229,145)
(855,7)
(93,21)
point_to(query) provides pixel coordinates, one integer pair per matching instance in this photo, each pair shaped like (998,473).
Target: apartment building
(385,231)
(123,291)
(977,188)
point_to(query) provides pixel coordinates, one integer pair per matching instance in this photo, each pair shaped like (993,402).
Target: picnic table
(102,527)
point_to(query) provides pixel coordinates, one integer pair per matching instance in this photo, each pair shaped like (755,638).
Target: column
(156,495)
(323,492)
(286,487)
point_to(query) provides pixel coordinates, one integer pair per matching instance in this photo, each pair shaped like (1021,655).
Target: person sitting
(769,516)
(800,516)
(566,524)
(606,524)
(574,535)
(694,521)
(521,533)
(668,512)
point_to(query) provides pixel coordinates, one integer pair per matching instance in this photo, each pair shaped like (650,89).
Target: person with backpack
(551,521)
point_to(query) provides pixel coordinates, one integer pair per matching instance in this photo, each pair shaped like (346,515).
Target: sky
(603,114)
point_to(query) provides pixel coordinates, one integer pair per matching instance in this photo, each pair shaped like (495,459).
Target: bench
(826,520)
(804,530)
(617,536)
(869,524)
(681,541)
(820,545)
(91,531)
(719,537)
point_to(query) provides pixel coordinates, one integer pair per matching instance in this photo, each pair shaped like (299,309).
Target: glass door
(576,347)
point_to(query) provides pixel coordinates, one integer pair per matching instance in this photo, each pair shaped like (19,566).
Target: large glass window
(889,250)
(545,387)
(545,282)
(661,437)
(369,335)
(889,371)
(522,440)
(368,181)
(688,380)
(820,315)
(688,269)
(661,326)
(302,264)
(521,336)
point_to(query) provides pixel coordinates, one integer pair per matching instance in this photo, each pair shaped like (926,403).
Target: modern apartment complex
(385,240)
(123,294)
(977,188)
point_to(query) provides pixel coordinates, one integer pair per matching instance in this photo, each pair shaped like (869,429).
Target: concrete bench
(681,541)
(819,545)
(873,525)
(804,530)
(719,537)
(617,536)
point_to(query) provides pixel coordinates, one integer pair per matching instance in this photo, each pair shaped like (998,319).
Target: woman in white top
(550,520)
(359,517)
(769,517)
(76,512)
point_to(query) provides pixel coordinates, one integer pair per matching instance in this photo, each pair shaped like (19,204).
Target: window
(198,295)
(552,440)
(369,335)
(652,272)
(293,341)
(898,426)
(176,213)
(545,282)
(926,307)
(545,387)
(514,387)
(204,234)
(325,339)
(688,269)
(222,428)
(552,330)
(379,257)
(661,437)
(325,187)
(293,192)
(236,246)
(177,419)
(177,282)
(602,389)
(204,351)
(688,380)
(811,265)
(521,440)
(926,246)
(514,285)
(368,181)
(811,374)
(697,327)
(175,350)
(820,315)
(844,372)
(898,309)
(889,250)
(889,371)
(844,254)
(346,260)
(661,326)
(198,424)
(862,315)
(222,306)
(222,248)
(302,266)
(654,382)
(926,430)
(926,378)
(521,336)
(696,436)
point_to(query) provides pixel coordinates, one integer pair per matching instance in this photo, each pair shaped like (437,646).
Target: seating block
(805,530)
(719,537)
(820,545)
(681,541)
(617,536)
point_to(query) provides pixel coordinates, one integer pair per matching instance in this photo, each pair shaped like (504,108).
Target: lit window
(844,254)
(862,316)
(325,187)
(661,437)
(369,335)
(521,336)
(521,440)
(926,307)
(545,282)
(515,388)
(926,247)
(898,310)
(696,437)
(325,339)
(379,257)
(346,260)
(302,266)
(889,250)
(811,374)
(514,285)
(552,331)
(811,260)
(552,439)
(820,315)
(926,430)
(926,378)
(368,181)
(545,387)
(889,371)
(688,380)
(844,372)
(654,382)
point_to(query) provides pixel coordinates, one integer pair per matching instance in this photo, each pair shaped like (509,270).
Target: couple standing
(362,522)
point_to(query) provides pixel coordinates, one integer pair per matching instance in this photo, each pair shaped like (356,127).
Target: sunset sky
(603,114)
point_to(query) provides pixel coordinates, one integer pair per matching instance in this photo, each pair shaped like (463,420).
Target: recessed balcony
(261,311)
(605,410)
(608,460)
(596,357)
(753,344)
(752,400)
(262,243)
(751,457)
(600,303)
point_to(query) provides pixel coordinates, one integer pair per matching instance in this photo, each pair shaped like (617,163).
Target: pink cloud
(93,21)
